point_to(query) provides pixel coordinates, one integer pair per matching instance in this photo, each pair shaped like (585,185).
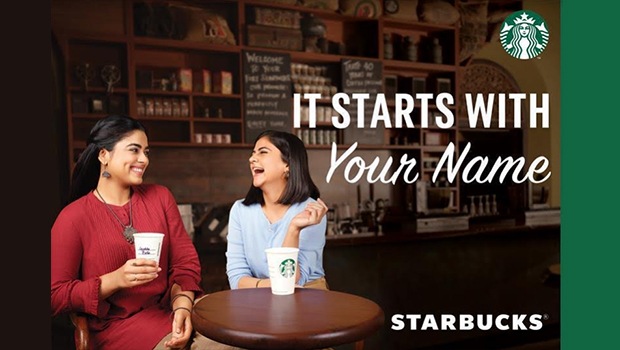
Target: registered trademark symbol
(545,317)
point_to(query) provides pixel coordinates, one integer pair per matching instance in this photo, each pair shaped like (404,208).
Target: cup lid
(148,234)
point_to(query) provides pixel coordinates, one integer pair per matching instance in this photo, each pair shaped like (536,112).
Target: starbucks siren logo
(524,35)
(287,268)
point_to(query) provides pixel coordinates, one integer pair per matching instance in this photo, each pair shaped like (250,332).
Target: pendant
(128,233)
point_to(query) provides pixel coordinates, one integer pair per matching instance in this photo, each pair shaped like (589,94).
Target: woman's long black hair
(105,134)
(299,185)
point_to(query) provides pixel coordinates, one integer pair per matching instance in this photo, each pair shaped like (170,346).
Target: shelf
(217,120)
(162,118)
(311,57)
(321,101)
(439,148)
(401,236)
(94,116)
(323,14)
(402,147)
(409,25)
(162,93)
(184,44)
(98,89)
(307,124)
(395,66)
(214,95)
(432,170)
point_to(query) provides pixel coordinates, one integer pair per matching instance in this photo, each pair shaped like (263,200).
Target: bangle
(179,308)
(181,295)
(257,282)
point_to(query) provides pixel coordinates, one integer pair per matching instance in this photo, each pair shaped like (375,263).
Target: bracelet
(178,308)
(257,282)
(181,295)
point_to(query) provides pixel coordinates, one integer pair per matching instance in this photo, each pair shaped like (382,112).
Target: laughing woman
(281,209)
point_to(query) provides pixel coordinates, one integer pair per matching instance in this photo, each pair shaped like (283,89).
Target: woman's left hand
(181,329)
(311,215)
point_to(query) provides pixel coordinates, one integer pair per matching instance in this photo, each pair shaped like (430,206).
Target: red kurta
(87,242)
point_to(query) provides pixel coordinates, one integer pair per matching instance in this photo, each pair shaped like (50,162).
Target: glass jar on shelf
(176,108)
(167,107)
(159,108)
(184,108)
(411,49)
(149,105)
(141,108)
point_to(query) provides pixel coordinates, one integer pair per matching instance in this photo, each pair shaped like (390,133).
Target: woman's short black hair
(299,185)
(105,134)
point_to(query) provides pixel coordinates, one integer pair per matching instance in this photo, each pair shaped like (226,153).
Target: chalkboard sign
(267,93)
(362,76)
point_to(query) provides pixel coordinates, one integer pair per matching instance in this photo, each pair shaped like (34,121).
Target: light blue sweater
(250,233)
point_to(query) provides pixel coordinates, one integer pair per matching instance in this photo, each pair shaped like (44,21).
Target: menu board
(267,93)
(362,76)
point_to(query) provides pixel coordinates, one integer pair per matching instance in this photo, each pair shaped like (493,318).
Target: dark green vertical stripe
(590,264)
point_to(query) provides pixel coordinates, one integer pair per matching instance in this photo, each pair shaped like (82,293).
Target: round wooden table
(307,319)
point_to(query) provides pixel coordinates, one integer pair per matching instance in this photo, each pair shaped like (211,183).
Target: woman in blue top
(279,210)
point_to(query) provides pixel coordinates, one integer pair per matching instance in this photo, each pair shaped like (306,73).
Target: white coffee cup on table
(282,263)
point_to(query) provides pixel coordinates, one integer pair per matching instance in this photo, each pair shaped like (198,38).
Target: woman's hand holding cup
(136,272)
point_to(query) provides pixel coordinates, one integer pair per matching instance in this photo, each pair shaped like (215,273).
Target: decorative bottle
(174,83)
(412,50)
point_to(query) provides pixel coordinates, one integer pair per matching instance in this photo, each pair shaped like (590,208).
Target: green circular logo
(287,268)
(524,35)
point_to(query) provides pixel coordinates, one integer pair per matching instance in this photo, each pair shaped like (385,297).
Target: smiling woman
(281,209)
(94,270)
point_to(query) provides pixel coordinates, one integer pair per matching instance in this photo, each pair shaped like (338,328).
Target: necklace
(128,229)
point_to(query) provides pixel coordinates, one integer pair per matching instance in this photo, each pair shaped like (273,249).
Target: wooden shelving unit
(134,54)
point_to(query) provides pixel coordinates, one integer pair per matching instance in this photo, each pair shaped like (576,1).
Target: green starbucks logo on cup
(524,35)
(287,268)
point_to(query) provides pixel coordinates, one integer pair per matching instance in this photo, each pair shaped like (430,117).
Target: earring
(105,173)
(286,174)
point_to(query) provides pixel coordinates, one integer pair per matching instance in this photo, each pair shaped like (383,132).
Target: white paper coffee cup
(282,263)
(148,245)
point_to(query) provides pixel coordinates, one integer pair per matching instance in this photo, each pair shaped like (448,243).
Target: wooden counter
(402,236)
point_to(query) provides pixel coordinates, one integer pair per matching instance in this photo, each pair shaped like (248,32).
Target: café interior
(442,244)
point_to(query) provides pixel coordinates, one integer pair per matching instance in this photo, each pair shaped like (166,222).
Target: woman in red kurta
(131,303)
